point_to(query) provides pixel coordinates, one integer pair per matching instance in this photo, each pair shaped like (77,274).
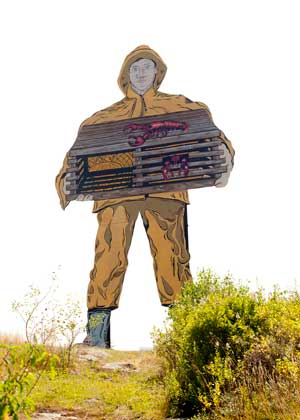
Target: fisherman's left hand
(222,181)
(83,197)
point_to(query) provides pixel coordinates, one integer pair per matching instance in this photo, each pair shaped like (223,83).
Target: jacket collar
(147,95)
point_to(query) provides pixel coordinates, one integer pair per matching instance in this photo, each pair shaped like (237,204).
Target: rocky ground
(114,364)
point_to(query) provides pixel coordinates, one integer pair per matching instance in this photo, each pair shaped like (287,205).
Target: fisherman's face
(142,74)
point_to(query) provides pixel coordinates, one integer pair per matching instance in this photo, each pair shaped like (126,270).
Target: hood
(143,51)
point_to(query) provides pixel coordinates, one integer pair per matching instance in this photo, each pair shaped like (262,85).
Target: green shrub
(221,336)
(20,370)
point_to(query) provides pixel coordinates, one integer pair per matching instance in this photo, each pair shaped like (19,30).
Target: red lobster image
(153,130)
(169,163)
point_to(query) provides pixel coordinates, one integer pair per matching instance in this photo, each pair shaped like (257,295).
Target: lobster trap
(161,153)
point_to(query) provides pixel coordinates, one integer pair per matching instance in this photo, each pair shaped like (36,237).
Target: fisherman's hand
(83,197)
(223,180)
(66,190)
(67,183)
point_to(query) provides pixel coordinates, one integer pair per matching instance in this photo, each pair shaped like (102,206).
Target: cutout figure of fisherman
(163,214)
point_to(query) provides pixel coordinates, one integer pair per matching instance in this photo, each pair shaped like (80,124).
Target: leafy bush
(222,338)
(20,370)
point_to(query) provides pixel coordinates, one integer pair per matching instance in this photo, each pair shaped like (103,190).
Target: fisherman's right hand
(67,183)
(66,189)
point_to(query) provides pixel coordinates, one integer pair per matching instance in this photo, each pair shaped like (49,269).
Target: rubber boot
(98,328)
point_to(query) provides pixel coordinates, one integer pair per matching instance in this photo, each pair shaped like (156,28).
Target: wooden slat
(99,181)
(72,190)
(109,130)
(75,175)
(107,177)
(100,187)
(177,166)
(181,138)
(192,172)
(73,160)
(174,136)
(77,167)
(125,147)
(89,139)
(192,155)
(176,186)
(198,120)
(176,149)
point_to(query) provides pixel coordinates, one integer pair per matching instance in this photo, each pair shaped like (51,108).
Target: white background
(60,60)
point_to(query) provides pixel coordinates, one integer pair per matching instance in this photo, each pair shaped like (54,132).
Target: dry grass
(11,339)
(259,396)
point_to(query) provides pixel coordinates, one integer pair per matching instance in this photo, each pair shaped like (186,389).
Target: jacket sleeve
(223,138)
(188,104)
(59,184)
(228,144)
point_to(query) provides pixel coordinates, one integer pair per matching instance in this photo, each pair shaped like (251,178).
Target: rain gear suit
(163,214)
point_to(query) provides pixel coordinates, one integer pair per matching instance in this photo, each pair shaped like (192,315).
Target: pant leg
(116,224)
(164,221)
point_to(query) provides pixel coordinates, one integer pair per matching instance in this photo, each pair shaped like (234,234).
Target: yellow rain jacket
(134,105)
